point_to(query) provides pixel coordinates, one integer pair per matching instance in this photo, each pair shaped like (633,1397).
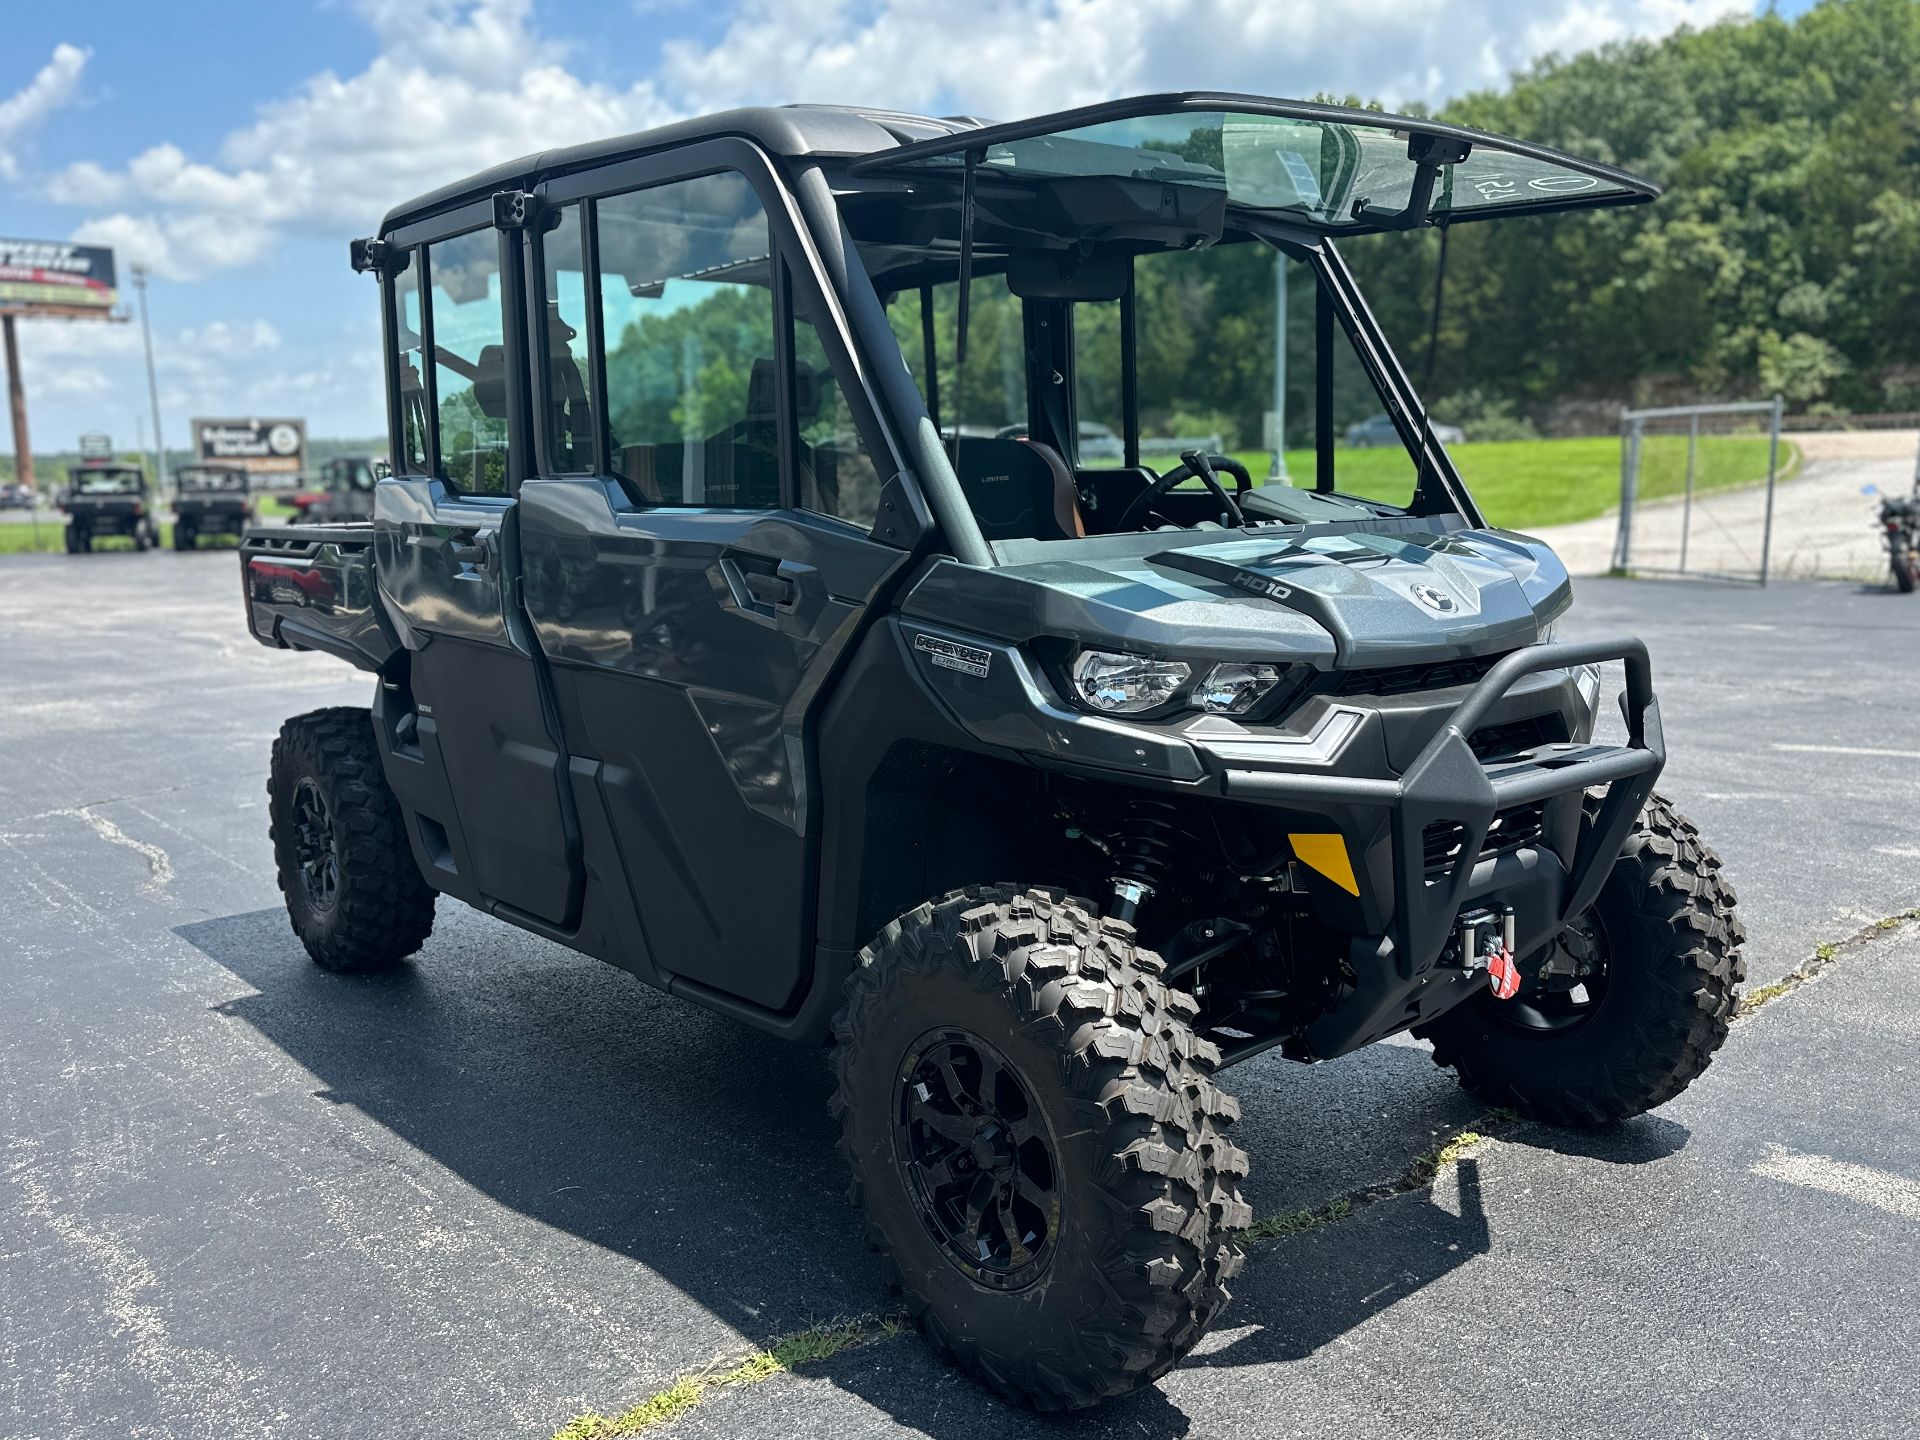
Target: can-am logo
(1437,600)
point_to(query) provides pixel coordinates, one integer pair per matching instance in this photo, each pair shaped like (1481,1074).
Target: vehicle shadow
(703,1152)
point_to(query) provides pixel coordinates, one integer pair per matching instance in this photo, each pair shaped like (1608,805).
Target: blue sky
(236,153)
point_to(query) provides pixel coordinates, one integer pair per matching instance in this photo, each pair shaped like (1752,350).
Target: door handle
(778,591)
(479,554)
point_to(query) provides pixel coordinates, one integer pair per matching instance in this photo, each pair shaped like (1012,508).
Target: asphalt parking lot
(241,1196)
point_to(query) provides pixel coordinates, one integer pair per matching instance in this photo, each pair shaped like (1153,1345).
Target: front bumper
(1385,776)
(1448,785)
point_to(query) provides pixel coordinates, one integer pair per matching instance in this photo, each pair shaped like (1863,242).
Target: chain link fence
(1696,490)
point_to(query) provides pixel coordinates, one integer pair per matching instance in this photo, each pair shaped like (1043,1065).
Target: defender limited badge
(1437,600)
(951,655)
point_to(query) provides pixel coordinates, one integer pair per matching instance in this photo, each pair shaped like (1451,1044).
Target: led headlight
(1126,684)
(1234,689)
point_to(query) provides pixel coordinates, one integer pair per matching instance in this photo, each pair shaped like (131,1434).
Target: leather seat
(1019,490)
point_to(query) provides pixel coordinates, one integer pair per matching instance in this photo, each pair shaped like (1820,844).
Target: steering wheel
(1193,462)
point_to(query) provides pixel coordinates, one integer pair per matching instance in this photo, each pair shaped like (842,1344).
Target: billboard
(261,447)
(54,277)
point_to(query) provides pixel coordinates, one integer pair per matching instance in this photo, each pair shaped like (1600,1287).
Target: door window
(837,476)
(412,453)
(686,305)
(570,407)
(469,372)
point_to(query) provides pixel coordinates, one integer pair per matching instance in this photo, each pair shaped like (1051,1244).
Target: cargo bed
(310,587)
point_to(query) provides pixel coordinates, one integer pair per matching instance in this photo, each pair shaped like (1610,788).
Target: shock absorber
(1142,854)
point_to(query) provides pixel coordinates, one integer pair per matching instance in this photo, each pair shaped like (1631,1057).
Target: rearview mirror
(1066,275)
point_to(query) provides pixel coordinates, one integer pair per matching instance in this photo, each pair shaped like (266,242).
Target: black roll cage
(821,268)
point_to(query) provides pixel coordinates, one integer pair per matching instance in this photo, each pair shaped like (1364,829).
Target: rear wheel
(73,541)
(1627,1007)
(1036,1139)
(1906,568)
(183,536)
(354,895)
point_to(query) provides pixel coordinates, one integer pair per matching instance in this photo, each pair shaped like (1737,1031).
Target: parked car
(1043,798)
(16,497)
(1379,430)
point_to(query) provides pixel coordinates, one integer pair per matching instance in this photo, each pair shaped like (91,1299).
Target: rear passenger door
(696,549)
(482,770)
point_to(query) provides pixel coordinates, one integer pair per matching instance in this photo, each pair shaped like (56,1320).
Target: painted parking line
(1881,1189)
(1848,750)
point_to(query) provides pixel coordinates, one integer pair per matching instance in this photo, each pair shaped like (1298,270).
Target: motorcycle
(1900,527)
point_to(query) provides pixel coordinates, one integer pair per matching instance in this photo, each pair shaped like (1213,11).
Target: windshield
(106,482)
(1074,412)
(1338,171)
(193,478)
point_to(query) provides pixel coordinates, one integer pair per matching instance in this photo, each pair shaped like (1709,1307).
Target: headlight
(1231,689)
(1126,684)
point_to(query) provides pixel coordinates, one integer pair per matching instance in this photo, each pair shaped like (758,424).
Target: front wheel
(1906,568)
(1627,1006)
(354,895)
(183,536)
(1037,1141)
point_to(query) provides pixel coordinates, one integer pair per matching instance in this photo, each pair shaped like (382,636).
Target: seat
(1019,490)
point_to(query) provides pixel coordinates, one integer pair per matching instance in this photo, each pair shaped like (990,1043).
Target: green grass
(806,1347)
(1527,484)
(52,539)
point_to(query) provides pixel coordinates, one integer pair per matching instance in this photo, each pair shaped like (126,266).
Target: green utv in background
(748,608)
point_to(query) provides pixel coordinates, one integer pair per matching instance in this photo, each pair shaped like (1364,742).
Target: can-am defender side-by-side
(105,497)
(745,612)
(345,491)
(210,500)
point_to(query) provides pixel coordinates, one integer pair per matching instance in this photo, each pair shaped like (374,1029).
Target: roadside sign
(55,277)
(260,447)
(96,447)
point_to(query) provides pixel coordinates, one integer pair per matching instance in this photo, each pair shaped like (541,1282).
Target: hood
(1350,601)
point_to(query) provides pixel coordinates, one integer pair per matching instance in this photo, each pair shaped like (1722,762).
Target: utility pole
(17,403)
(1279,471)
(140,273)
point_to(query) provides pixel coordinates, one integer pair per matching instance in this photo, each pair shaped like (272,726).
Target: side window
(469,376)
(686,305)
(992,395)
(412,455)
(1096,386)
(837,475)
(570,408)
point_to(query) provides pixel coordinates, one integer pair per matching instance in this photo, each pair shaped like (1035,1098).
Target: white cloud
(460,85)
(27,109)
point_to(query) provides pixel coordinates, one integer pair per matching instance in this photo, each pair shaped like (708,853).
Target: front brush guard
(1448,784)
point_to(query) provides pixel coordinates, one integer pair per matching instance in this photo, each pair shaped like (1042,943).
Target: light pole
(140,273)
(1279,365)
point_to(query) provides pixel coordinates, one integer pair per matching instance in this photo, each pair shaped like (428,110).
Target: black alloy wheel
(979,1160)
(314,849)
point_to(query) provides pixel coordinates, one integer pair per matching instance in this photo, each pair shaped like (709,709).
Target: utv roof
(885,139)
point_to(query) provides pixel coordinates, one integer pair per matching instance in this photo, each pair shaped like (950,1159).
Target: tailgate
(310,587)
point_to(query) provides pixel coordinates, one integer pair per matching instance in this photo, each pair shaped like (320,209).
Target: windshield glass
(193,478)
(1336,174)
(1065,429)
(106,482)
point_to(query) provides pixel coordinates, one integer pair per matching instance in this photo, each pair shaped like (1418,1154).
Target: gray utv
(105,497)
(210,500)
(745,610)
